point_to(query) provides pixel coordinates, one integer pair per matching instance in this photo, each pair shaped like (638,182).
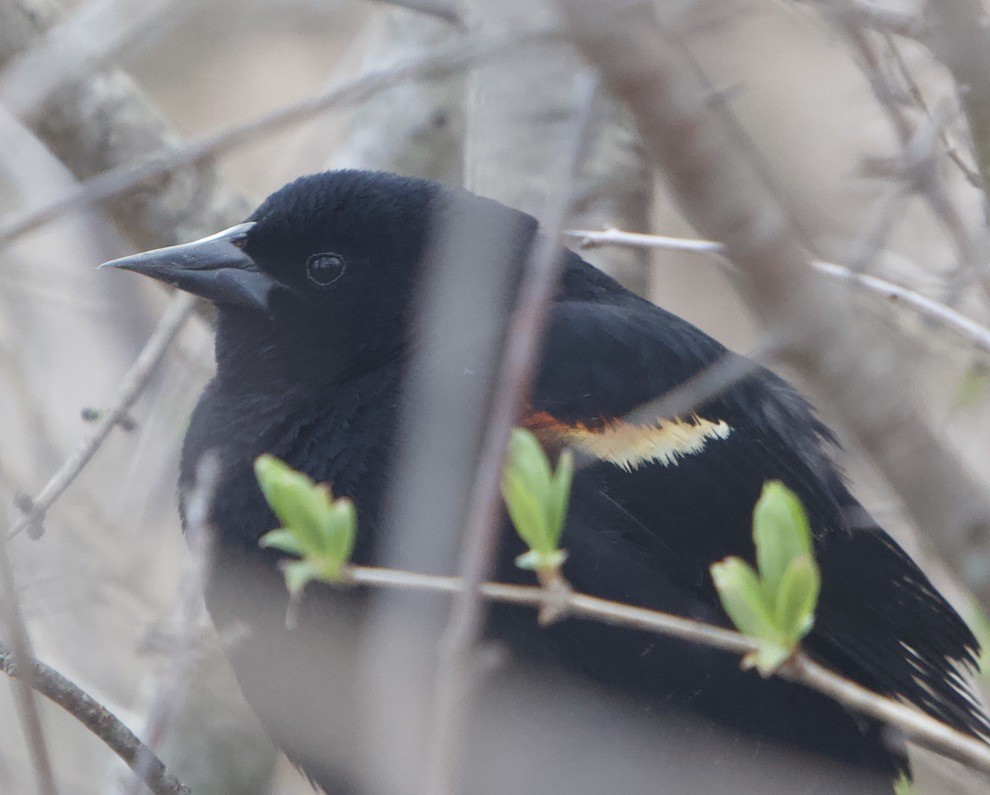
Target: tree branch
(101,121)
(97,718)
(134,383)
(818,331)
(163,161)
(916,725)
(956,321)
(961,40)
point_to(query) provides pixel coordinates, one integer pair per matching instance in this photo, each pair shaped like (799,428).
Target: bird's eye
(324,269)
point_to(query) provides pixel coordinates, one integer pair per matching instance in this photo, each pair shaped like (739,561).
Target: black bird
(314,295)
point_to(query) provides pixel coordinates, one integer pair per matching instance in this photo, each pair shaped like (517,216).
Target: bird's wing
(676,494)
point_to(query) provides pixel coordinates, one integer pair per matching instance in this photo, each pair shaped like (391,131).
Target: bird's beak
(214,267)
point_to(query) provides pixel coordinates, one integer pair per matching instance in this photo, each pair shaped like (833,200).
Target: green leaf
(536,498)
(780,532)
(559,496)
(340,530)
(797,597)
(290,495)
(527,458)
(282,540)
(744,600)
(525,510)
(317,528)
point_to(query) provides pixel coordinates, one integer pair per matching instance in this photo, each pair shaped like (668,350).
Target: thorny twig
(975,332)
(916,725)
(515,377)
(117,180)
(134,383)
(95,717)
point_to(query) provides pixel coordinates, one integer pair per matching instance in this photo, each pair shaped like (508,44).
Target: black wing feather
(880,621)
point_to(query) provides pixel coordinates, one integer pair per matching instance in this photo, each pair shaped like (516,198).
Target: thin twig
(515,379)
(21,654)
(914,90)
(95,717)
(117,180)
(917,726)
(975,332)
(962,42)
(919,168)
(590,238)
(134,383)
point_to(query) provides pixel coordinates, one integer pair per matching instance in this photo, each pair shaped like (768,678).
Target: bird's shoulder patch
(629,445)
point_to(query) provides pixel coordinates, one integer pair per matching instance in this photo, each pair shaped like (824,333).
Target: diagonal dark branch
(95,717)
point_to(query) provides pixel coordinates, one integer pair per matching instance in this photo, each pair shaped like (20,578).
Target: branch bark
(513,133)
(98,719)
(103,120)
(961,40)
(819,333)
(801,668)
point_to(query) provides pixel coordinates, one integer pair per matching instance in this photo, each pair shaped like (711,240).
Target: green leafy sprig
(536,498)
(775,603)
(316,528)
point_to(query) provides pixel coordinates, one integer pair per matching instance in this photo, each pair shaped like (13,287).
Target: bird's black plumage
(311,360)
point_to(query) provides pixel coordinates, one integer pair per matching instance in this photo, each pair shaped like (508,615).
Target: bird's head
(317,282)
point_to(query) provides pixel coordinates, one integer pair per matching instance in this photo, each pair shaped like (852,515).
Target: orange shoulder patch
(630,445)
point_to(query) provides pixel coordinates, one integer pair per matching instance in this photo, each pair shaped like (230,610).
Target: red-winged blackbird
(313,295)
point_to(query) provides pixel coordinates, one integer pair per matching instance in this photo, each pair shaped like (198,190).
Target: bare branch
(102,121)
(133,384)
(95,717)
(918,726)
(977,333)
(818,331)
(961,40)
(592,238)
(117,180)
